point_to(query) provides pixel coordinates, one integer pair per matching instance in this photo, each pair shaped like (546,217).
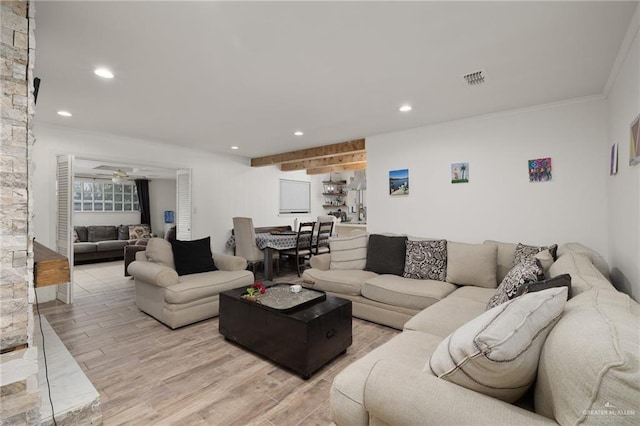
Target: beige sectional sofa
(588,370)
(180,300)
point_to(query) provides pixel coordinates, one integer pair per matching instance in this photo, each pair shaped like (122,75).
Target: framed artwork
(540,170)
(399,182)
(613,161)
(460,173)
(634,143)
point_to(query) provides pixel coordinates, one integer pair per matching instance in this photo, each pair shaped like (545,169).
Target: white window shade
(295,197)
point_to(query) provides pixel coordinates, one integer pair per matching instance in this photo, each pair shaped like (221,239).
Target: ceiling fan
(119,176)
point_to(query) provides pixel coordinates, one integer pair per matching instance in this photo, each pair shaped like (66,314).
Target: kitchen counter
(344,228)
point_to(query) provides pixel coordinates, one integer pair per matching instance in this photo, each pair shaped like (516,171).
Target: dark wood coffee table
(302,338)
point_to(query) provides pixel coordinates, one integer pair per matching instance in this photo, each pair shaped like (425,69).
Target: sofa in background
(101,242)
(585,372)
(178,300)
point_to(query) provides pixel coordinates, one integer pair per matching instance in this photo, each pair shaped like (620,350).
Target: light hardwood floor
(147,373)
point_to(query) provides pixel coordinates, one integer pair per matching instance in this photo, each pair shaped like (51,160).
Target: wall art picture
(399,182)
(613,161)
(634,148)
(460,173)
(540,170)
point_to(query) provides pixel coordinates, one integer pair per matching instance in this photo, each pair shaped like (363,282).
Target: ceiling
(98,169)
(210,75)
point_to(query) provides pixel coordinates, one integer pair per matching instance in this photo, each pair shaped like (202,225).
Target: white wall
(623,189)
(224,186)
(162,196)
(499,202)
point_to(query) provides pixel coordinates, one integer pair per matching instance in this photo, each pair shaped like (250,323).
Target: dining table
(268,243)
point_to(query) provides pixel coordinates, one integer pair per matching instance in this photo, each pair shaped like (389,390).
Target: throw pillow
(137,232)
(349,252)
(497,352)
(76,237)
(426,260)
(160,251)
(563,280)
(192,257)
(123,232)
(527,271)
(385,254)
(523,250)
(472,264)
(545,258)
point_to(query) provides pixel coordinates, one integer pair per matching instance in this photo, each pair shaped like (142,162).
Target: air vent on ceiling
(475,78)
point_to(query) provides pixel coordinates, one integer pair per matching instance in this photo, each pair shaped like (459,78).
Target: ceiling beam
(338,160)
(337,169)
(310,153)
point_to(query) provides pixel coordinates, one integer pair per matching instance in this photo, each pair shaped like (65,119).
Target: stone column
(19,393)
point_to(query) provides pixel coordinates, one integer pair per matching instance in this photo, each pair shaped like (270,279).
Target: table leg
(268,263)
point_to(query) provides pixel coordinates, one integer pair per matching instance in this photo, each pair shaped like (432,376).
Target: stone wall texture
(19,395)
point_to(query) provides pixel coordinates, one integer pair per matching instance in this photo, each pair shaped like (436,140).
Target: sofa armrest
(400,395)
(321,261)
(153,273)
(227,262)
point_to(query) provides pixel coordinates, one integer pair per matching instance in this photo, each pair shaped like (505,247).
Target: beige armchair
(180,300)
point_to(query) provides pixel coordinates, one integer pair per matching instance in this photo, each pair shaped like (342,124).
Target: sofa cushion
(83,233)
(589,363)
(193,257)
(466,302)
(111,245)
(337,281)
(426,260)
(472,264)
(205,284)
(528,270)
(347,390)
(385,254)
(349,252)
(137,232)
(159,251)
(84,247)
(406,292)
(584,274)
(506,253)
(523,250)
(97,233)
(497,352)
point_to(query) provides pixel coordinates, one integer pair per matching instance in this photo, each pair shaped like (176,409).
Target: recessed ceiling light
(405,108)
(64,113)
(235,147)
(298,133)
(103,72)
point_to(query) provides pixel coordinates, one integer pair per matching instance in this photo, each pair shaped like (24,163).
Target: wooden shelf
(331,205)
(334,194)
(49,267)
(329,182)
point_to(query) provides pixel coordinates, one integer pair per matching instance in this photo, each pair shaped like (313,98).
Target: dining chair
(303,249)
(321,241)
(246,247)
(327,218)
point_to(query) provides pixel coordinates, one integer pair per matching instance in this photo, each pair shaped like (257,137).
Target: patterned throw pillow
(76,237)
(137,232)
(523,251)
(426,260)
(528,270)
